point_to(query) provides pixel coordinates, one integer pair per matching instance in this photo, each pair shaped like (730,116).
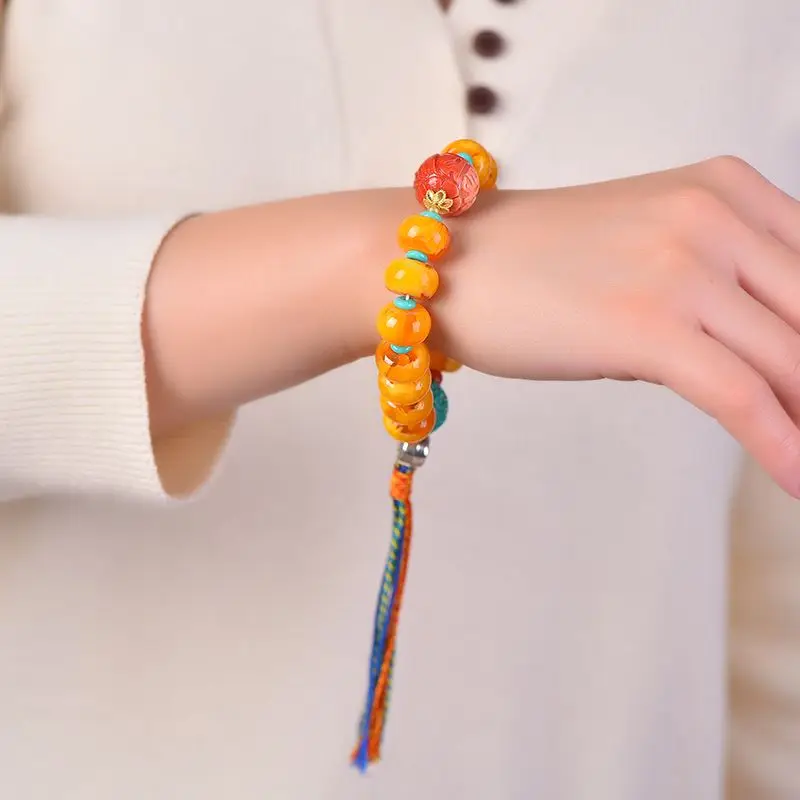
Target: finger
(755,199)
(713,378)
(766,268)
(759,337)
(770,272)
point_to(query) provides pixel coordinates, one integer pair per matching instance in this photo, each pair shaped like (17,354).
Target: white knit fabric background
(565,629)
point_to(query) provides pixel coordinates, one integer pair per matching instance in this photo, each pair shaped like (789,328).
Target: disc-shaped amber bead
(407,276)
(442,363)
(410,414)
(426,234)
(404,393)
(411,433)
(402,366)
(482,160)
(404,327)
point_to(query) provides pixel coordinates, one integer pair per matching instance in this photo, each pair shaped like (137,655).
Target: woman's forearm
(246,302)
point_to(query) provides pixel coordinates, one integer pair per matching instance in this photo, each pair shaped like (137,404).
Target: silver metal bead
(413,455)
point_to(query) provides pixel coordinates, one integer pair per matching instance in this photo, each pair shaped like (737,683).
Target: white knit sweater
(565,628)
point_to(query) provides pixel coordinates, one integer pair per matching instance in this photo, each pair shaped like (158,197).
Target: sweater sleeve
(73,400)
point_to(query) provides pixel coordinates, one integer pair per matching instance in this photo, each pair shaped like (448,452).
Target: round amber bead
(408,415)
(407,276)
(404,393)
(482,160)
(426,234)
(402,366)
(447,184)
(404,327)
(411,433)
(442,363)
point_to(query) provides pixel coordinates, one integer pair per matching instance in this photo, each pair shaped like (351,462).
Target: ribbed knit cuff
(73,405)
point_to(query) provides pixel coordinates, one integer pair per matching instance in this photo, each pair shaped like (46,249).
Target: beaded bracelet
(412,399)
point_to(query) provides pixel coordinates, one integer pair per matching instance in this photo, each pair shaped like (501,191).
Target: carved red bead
(447,184)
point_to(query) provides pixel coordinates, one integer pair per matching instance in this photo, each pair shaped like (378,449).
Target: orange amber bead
(404,327)
(402,366)
(407,276)
(428,235)
(408,415)
(404,393)
(442,363)
(411,433)
(482,160)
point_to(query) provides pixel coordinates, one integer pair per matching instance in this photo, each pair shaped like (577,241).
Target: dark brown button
(481,99)
(488,44)
(506,2)
(445,4)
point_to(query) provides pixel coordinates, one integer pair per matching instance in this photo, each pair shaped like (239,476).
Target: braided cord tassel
(390,597)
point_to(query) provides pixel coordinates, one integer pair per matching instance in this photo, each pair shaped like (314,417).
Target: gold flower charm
(438,202)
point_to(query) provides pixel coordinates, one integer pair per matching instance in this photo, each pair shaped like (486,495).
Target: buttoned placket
(479,47)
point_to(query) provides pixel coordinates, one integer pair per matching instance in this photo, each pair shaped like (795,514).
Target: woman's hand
(688,278)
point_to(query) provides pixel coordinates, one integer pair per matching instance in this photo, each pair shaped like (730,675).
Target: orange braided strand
(382,691)
(400,489)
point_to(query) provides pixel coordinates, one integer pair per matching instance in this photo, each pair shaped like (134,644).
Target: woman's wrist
(248,302)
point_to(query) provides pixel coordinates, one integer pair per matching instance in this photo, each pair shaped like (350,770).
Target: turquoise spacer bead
(467,157)
(440,404)
(417,255)
(405,303)
(431,215)
(401,349)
